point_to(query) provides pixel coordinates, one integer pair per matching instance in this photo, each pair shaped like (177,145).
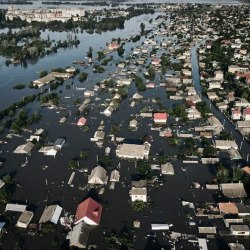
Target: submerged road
(244,146)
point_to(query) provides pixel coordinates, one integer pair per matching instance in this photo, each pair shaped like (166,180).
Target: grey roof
(234,154)
(59,142)
(99,135)
(132,150)
(15,207)
(242,208)
(45,80)
(139,191)
(2,183)
(115,176)
(25,217)
(243,124)
(167,168)
(225,143)
(236,246)
(240,228)
(137,96)
(98,173)
(213,121)
(24,149)
(78,237)
(139,184)
(233,190)
(51,213)
(207,230)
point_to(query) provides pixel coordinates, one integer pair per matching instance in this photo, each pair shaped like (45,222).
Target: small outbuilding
(167,169)
(115,176)
(25,219)
(81,121)
(240,230)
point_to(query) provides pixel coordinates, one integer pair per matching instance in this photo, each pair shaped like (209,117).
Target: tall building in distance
(44,15)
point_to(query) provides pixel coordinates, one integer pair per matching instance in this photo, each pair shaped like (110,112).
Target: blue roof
(2,224)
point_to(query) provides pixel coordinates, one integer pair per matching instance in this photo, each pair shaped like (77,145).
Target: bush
(83,76)
(19,86)
(84,154)
(73,164)
(138,205)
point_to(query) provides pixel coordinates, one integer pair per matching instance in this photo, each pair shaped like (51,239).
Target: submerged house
(115,176)
(108,111)
(167,169)
(25,219)
(233,190)
(51,214)
(160,118)
(24,149)
(53,149)
(81,121)
(88,211)
(139,191)
(98,176)
(79,235)
(133,124)
(133,151)
(44,80)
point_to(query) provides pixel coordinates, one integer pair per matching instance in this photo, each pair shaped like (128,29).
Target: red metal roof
(236,111)
(160,116)
(90,209)
(247,111)
(81,121)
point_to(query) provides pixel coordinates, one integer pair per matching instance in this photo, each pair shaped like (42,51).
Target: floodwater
(117,213)
(12,75)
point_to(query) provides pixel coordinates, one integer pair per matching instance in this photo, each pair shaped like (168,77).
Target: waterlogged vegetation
(26,43)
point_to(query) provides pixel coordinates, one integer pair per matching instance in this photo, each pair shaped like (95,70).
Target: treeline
(106,24)
(32,46)
(72,3)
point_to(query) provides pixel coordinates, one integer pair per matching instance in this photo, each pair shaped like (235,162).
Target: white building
(133,124)
(214,85)
(108,111)
(45,15)
(167,169)
(236,114)
(133,151)
(218,75)
(240,230)
(114,176)
(212,96)
(25,219)
(225,144)
(139,191)
(78,236)
(193,113)
(98,176)
(24,149)
(139,194)
(51,214)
